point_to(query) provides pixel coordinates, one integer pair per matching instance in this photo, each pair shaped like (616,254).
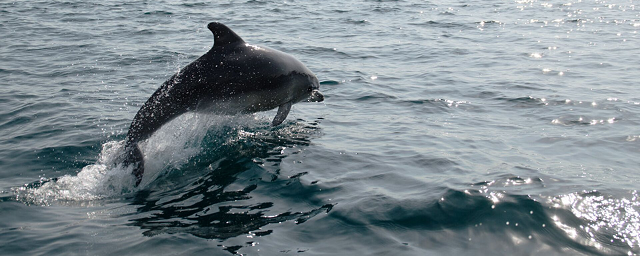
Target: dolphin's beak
(316,96)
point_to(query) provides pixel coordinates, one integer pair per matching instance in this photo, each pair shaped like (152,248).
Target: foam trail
(169,148)
(101,180)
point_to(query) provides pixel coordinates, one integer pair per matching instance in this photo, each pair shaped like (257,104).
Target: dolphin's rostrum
(233,77)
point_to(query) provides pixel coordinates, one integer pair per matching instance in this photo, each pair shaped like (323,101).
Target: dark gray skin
(231,78)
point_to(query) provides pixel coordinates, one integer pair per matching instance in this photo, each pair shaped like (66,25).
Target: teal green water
(448,128)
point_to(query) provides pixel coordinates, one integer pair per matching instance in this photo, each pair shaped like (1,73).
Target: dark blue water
(448,128)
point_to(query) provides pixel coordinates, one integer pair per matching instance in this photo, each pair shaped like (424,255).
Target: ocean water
(448,128)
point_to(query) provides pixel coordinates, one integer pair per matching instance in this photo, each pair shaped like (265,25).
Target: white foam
(169,148)
(97,181)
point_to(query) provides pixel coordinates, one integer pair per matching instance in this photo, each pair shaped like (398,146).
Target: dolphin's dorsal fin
(222,35)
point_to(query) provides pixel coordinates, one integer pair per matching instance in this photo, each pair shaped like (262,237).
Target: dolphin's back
(159,109)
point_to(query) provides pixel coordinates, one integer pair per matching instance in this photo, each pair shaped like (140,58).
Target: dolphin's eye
(310,89)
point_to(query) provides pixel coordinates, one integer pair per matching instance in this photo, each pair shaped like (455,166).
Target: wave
(577,223)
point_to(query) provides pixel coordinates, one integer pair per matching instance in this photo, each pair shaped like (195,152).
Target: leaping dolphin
(233,77)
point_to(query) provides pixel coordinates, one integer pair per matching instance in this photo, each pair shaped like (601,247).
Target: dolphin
(233,77)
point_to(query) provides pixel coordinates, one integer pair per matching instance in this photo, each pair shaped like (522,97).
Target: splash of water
(101,180)
(169,148)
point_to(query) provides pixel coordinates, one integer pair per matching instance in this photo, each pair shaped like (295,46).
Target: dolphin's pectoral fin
(134,157)
(283,111)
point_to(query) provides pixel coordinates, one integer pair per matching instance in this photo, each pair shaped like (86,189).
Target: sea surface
(495,127)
